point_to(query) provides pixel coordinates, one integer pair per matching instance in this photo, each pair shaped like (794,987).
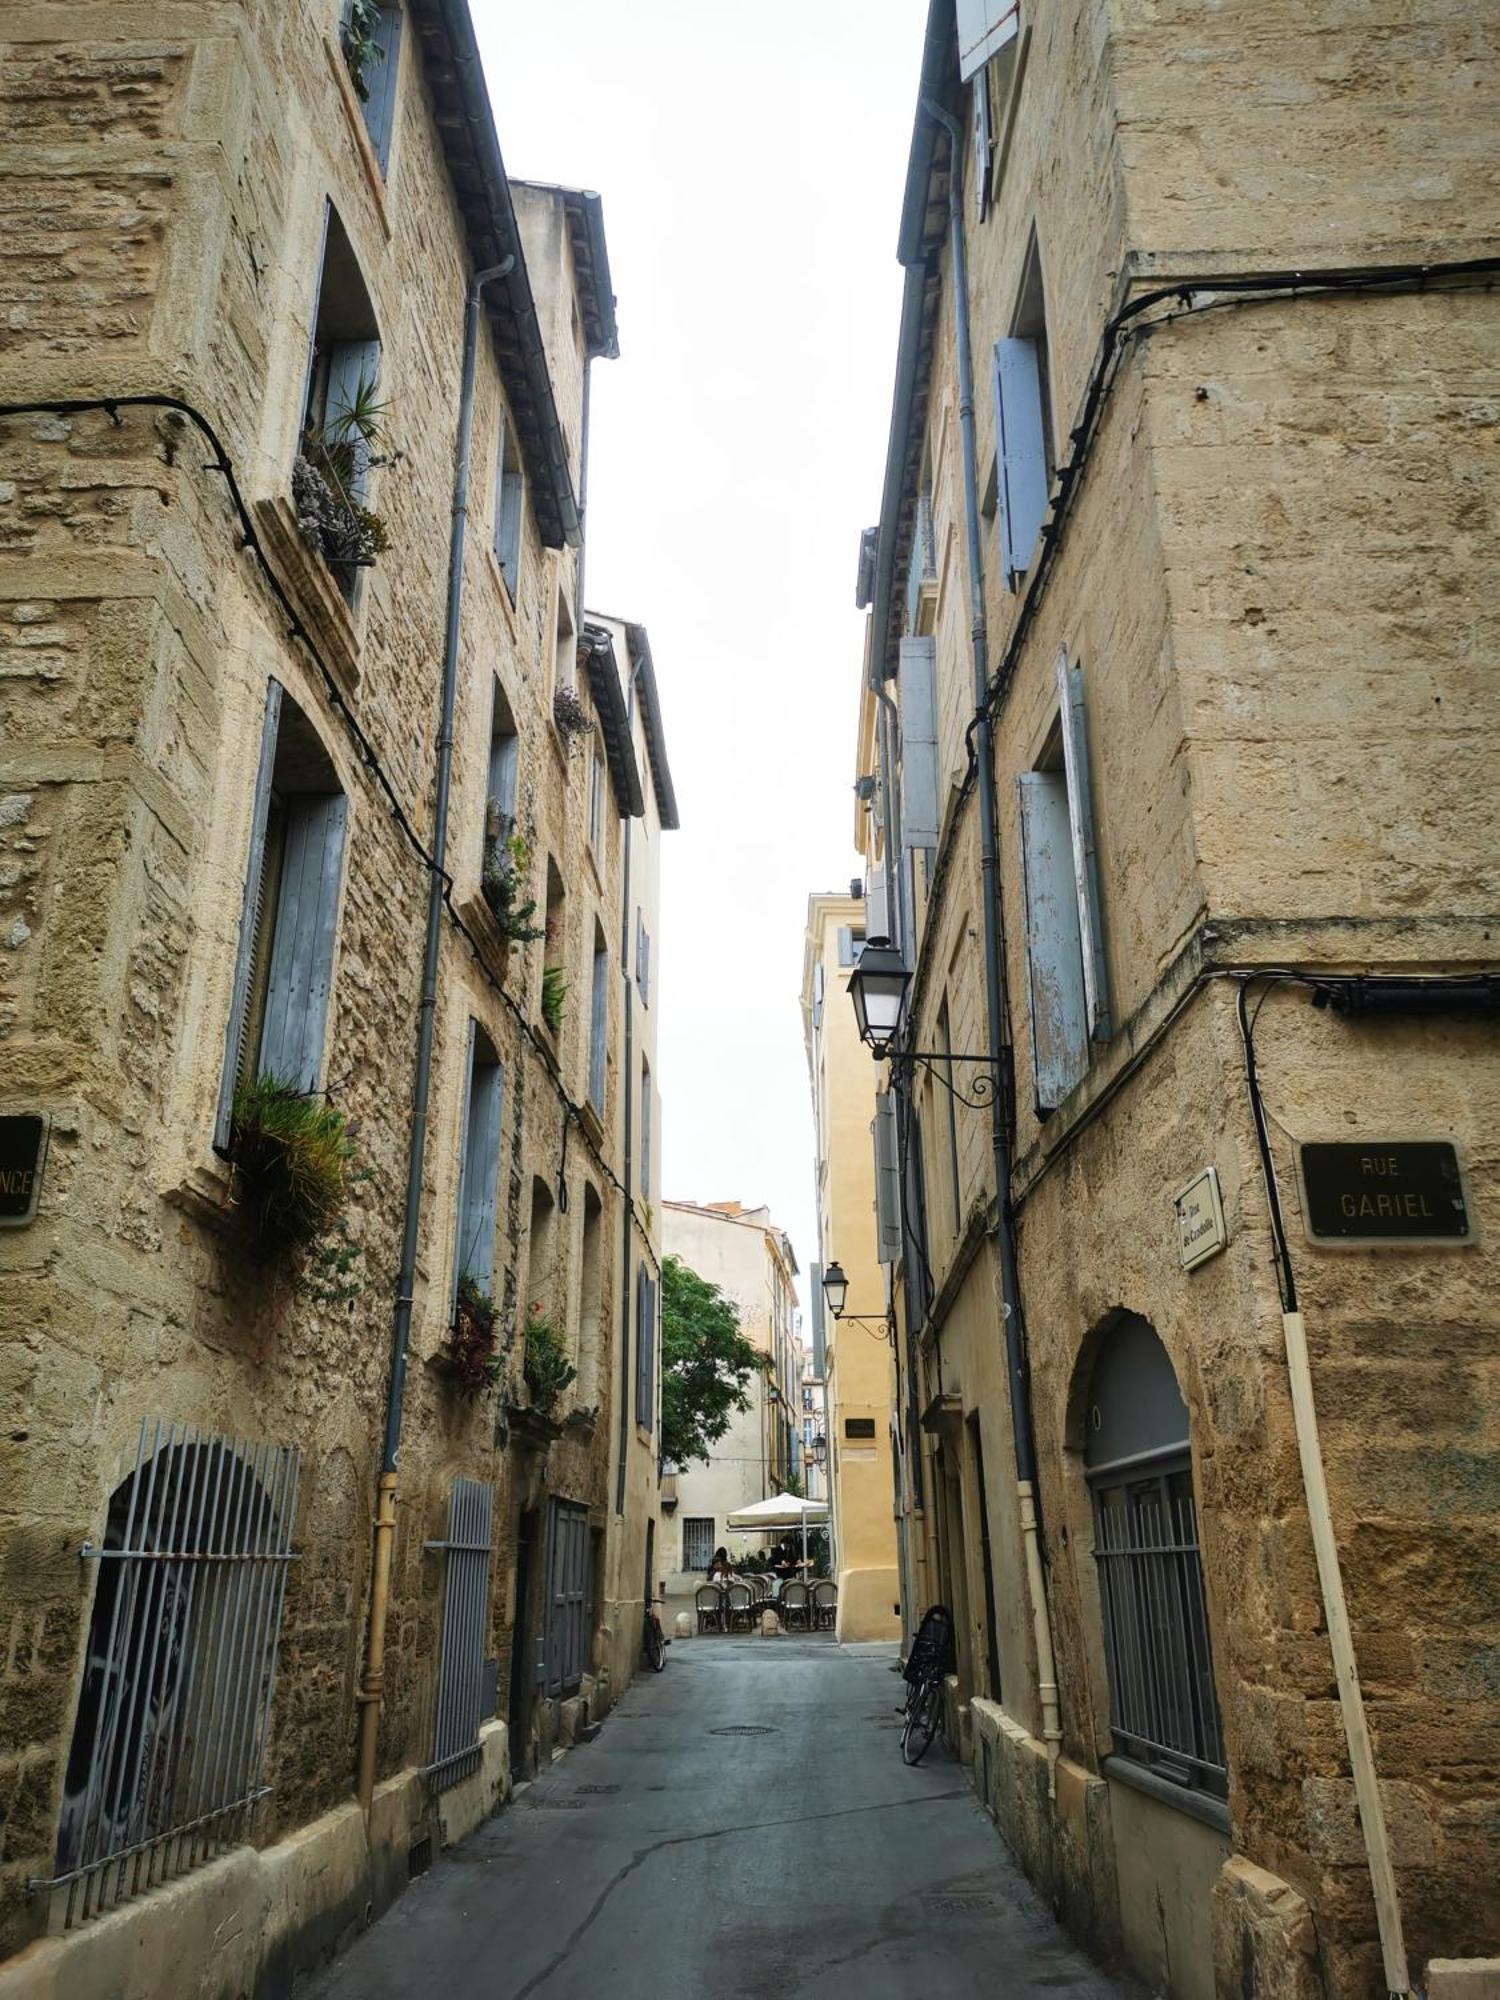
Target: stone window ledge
(205,1191)
(476,913)
(592,1122)
(305,577)
(1197,1805)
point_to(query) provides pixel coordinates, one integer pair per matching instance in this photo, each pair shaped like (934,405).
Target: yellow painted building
(857,1356)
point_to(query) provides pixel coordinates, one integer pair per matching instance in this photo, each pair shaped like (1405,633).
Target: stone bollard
(770,1625)
(683,1626)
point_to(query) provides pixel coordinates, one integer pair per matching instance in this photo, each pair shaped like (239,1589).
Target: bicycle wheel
(655,1646)
(923,1714)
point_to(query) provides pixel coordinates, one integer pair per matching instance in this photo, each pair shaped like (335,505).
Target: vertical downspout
(628,1086)
(1005,1248)
(372,1682)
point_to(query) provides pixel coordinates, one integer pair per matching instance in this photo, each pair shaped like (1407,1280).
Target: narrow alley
(743,1825)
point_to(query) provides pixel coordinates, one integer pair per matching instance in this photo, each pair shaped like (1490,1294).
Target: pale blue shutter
(380,105)
(508,495)
(642,1344)
(983,141)
(1085,852)
(480,1171)
(312,321)
(817,995)
(642,958)
(465,1147)
(239,992)
(645,1133)
(598,1030)
(1059,1029)
(846,945)
(291,1047)
(984,27)
(819,1326)
(887,1180)
(505,757)
(1022,451)
(350,363)
(919,787)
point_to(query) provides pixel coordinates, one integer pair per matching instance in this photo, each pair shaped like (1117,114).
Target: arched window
(165,1762)
(1162,1709)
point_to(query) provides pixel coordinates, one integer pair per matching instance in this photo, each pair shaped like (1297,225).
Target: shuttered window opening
(642,959)
(380,75)
(1023,424)
(887,1180)
(165,1766)
(697,1542)
(919,774)
(479,1163)
(283,968)
(510,492)
(1064,926)
(599,1023)
(461,1695)
(646,1108)
(984,27)
(850,943)
(570,1595)
(646,1295)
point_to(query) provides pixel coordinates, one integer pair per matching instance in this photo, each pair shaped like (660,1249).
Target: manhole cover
(743,1729)
(594,1791)
(557,1805)
(957,1905)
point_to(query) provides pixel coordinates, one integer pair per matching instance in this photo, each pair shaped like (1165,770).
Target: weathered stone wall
(165,184)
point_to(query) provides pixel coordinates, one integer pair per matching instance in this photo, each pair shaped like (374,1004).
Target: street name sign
(1385,1190)
(1201,1230)
(23,1147)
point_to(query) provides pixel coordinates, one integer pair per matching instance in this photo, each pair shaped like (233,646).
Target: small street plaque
(1403,1190)
(1201,1230)
(23,1149)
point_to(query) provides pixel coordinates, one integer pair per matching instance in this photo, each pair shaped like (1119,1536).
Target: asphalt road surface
(742,1826)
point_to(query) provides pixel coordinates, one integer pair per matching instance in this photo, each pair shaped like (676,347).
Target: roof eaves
(614,720)
(585,217)
(656,742)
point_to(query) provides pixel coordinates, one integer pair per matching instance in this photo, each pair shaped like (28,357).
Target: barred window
(697,1542)
(1162,1707)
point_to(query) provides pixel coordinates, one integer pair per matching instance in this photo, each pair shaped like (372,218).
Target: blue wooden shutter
(819,1325)
(887,1180)
(846,945)
(1059,1028)
(919,787)
(479,1170)
(380,105)
(291,1046)
(465,1136)
(645,1133)
(312,321)
(508,492)
(350,363)
(598,1029)
(984,27)
(983,140)
(1022,451)
(239,992)
(642,958)
(1085,852)
(642,1346)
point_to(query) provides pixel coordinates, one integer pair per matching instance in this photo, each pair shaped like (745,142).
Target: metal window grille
(461,1650)
(697,1543)
(1162,1707)
(169,1740)
(567,1629)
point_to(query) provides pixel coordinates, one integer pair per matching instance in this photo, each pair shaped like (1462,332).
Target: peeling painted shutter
(598,1030)
(877,905)
(645,1347)
(819,1325)
(887,1180)
(380,105)
(919,789)
(504,758)
(291,1046)
(351,363)
(984,154)
(480,1171)
(1085,855)
(984,27)
(508,498)
(239,992)
(1023,452)
(1059,1029)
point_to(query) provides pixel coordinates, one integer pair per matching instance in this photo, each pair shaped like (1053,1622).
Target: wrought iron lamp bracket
(983,1086)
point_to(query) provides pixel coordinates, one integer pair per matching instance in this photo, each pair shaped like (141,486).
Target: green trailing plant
(547,1367)
(474,1342)
(502,880)
(334,458)
(360,47)
(296,1161)
(554,996)
(570,715)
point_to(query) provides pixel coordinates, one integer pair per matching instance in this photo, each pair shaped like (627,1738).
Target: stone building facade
(1201,1415)
(240,248)
(857,1369)
(744,1253)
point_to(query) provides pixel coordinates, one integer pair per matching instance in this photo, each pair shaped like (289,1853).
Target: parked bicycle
(653,1639)
(928,1664)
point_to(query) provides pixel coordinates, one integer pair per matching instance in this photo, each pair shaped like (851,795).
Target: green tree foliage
(705,1363)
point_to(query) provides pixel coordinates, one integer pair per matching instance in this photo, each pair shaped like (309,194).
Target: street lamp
(817,1452)
(877,986)
(835,1288)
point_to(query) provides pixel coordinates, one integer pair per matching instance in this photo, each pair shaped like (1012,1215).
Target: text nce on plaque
(1385,1188)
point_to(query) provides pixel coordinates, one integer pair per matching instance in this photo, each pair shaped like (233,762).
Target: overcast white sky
(751,163)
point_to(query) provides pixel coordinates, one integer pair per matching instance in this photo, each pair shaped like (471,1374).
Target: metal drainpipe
(628,1086)
(1005,1248)
(372,1683)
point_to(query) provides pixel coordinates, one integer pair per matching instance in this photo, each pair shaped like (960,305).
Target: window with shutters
(851,943)
(570,1593)
(1064,933)
(510,495)
(984,28)
(598,1021)
(596,793)
(342,427)
(646,1162)
(916,671)
(503,770)
(1163,1711)
(642,959)
(1023,424)
(479,1163)
(887,1180)
(283,970)
(371,37)
(591,1298)
(993,40)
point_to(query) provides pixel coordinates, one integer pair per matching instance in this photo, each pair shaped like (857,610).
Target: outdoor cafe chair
(796,1606)
(737,1602)
(825,1599)
(708,1600)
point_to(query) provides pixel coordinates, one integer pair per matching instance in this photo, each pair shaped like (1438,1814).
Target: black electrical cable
(1192,297)
(223,464)
(1285,1277)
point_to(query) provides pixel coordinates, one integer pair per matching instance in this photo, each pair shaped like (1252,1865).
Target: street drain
(557,1805)
(957,1905)
(744,1729)
(595,1791)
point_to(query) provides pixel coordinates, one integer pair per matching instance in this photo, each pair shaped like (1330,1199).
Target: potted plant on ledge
(554,995)
(502,879)
(328,480)
(474,1342)
(547,1367)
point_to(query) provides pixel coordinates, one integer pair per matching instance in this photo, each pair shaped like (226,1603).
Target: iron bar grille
(461,1653)
(697,1542)
(1162,1707)
(169,1741)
